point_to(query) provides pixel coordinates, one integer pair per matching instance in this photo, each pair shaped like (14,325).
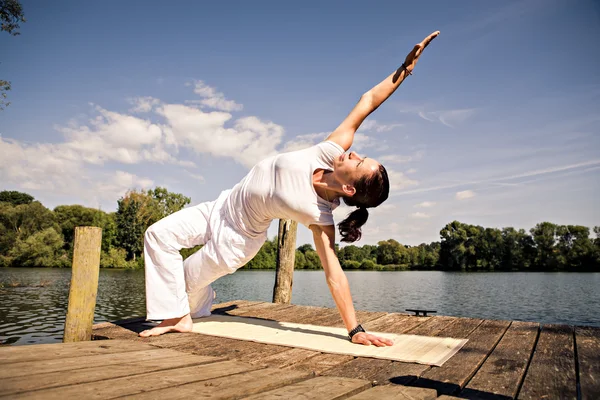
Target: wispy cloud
(450,118)
(373,125)
(420,215)
(465,194)
(402,159)
(213,98)
(425,204)
(498,180)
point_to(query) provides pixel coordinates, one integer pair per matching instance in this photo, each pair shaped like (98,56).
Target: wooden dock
(502,360)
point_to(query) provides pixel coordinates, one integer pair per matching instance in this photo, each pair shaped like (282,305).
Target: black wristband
(354,331)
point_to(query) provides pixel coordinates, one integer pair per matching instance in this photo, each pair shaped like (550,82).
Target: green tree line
(32,235)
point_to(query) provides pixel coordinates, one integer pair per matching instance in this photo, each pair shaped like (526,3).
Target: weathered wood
(378,370)
(252,311)
(12,354)
(504,370)
(319,388)
(396,392)
(456,372)
(74,363)
(286,255)
(242,385)
(153,381)
(386,371)
(588,354)
(287,358)
(320,363)
(551,374)
(84,284)
(283,312)
(361,316)
(27,383)
(433,325)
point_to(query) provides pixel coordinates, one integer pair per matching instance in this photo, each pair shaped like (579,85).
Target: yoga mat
(408,348)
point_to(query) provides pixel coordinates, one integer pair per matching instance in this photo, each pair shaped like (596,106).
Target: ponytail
(350,227)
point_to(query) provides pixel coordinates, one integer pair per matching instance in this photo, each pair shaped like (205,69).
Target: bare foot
(183,324)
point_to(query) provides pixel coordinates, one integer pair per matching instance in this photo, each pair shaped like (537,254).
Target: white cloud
(425,204)
(214,99)
(465,194)
(304,141)
(411,171)
(400,181)
(198,177)
(111,136)
(118,183)
(450,118)
(372,125)
(400,159)
(143,104)
(249,141)
(420,215)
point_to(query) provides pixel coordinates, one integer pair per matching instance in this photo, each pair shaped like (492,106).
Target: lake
(34,311)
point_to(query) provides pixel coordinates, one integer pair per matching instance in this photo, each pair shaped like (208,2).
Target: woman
(305,186)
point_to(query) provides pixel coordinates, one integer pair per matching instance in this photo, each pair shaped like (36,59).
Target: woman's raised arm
(371,100)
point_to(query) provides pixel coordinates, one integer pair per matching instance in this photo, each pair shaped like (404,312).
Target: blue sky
(498,126)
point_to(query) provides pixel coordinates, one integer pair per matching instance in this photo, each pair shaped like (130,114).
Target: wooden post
(84,284)
(286,255)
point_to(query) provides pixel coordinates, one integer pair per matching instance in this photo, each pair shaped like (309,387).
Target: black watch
(354,331)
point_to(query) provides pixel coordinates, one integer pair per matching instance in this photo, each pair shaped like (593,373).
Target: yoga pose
(304,186)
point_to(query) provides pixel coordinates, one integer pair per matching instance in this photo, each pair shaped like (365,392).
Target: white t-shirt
(281,187)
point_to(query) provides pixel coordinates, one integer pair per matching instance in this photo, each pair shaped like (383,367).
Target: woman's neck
(325,185)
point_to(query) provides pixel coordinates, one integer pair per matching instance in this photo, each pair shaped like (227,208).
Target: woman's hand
(411,59)
(367,339)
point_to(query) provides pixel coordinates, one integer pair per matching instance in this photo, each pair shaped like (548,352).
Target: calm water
(34,314)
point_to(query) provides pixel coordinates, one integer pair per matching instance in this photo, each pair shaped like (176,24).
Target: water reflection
(33,302)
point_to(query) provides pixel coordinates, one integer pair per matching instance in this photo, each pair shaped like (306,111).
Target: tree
(130,227)
(15,198)
(543,235)
(42,249)
(11,15)
(137,210)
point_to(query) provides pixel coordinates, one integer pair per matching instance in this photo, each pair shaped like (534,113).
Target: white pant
(175,288)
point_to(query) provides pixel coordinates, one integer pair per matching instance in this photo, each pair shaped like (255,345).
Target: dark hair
(371,191)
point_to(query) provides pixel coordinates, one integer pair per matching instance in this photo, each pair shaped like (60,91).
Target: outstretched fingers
(428,39)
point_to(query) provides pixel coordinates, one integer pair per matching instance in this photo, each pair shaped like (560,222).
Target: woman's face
(350,167)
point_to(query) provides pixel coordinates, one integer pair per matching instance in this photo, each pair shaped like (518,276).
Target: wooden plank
(293,313)
(73,363)
(396,392)
(588,354)
(320,363)
(256,309)
(112,331)
(215,346)
(153,381)
(319,388)
(386,371)
(433,325)
(221,308)
(394,322)
(287,358)
(361,316)
(456,372)
(242,385)
(323,361)
(551,373)
(11,354)
(28,382)
(504,370)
